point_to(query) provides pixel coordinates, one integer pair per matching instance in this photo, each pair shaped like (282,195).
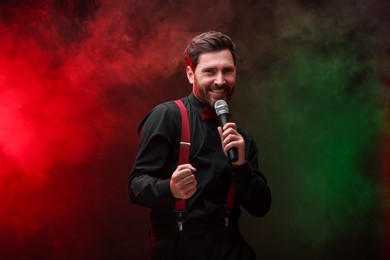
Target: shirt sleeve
(156,159)
(253,192)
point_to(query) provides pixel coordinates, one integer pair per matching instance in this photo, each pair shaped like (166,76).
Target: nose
(219,80)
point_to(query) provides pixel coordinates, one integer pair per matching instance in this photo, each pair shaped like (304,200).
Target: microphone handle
(223,119)
(232,153)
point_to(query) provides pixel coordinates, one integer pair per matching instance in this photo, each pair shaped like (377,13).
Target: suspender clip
(227,216)
(180,214)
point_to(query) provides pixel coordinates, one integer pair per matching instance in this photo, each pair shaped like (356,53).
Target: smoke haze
(76,77)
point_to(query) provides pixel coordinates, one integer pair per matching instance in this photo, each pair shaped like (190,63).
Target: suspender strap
(184,157)
(229,202)
(184,154)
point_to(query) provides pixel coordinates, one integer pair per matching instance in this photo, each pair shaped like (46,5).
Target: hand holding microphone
(233,143)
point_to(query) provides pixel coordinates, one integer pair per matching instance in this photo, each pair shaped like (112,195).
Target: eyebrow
(208,68)
(213,68)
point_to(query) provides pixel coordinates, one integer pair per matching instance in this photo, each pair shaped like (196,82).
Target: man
(157,180)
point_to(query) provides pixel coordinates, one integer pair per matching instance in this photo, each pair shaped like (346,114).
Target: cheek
(205,82)
(231,80)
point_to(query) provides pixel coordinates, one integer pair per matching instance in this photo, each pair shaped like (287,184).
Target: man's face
(214,77)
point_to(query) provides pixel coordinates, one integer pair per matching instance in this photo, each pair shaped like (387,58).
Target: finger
(231,145)
(190,193)
(183,173)
(231,138)
(190,186)
(229,131)
(189,190)
(229,125)
(179,176)
(185,166)
(188,179)
(184,182)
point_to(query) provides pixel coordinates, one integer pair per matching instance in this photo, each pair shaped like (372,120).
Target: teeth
(218,90)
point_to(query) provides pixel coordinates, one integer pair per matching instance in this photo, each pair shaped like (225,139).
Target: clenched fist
(183,182)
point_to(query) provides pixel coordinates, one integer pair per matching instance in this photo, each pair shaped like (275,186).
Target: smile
(218,91)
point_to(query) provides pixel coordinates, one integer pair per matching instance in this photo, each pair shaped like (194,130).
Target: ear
(190,74)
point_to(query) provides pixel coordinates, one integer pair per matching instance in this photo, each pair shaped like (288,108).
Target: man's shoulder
(163,112)
(166,109)
(168,105)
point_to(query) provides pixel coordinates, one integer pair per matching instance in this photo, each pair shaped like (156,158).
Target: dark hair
(207,42)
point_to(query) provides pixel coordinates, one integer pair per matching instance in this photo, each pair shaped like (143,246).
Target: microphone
(222,111)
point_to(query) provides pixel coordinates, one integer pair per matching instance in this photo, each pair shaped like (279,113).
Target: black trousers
(199,242)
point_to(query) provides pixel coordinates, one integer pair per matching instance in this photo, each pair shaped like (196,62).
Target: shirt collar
(201,108)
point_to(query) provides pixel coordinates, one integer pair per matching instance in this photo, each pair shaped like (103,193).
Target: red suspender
(184,157)
(184,154)
(229,202)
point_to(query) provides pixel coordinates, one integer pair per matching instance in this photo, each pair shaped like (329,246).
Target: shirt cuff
(164,192)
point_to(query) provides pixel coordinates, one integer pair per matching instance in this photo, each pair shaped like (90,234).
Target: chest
(206,151)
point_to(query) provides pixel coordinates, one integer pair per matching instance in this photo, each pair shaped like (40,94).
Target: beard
(203,94)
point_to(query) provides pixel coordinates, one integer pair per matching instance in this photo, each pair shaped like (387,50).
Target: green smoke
(318,105)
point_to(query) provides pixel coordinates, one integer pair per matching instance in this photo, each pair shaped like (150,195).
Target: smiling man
(214,77)
(212,188)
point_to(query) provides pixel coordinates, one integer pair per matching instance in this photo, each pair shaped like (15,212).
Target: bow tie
(208,114)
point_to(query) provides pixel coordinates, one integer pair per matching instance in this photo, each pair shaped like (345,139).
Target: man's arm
(252,188)
(157,157)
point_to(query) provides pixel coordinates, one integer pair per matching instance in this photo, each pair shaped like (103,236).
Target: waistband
(161,231)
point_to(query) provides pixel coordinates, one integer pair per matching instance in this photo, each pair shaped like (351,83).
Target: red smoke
(75,79)
(72,79)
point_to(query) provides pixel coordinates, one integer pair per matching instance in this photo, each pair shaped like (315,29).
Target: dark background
(77,76)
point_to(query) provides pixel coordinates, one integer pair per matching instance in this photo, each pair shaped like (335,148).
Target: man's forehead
(217,58)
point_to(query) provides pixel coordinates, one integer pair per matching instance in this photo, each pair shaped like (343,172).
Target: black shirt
(157,159)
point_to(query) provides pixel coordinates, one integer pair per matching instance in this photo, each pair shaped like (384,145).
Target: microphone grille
(221,107)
